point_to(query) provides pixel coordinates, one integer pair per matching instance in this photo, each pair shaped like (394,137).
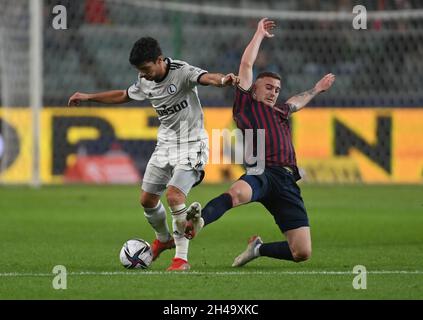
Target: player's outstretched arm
(219,79)
(112,97)
(250,53)
(300,100)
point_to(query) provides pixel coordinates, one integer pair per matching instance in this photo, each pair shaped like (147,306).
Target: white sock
(179,214)
(157,219)
(257,250)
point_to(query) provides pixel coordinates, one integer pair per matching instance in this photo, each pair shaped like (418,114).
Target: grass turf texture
(84,227)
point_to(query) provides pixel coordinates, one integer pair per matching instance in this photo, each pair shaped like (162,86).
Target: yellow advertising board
(337,145)
(15,145)
(368,145)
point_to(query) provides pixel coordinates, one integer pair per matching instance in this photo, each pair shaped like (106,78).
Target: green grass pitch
(84,227)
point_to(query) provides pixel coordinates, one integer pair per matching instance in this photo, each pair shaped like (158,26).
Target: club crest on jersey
(171,89)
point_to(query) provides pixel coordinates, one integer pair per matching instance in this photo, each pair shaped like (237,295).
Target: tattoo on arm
(300,100)
(292,108)
(311,92)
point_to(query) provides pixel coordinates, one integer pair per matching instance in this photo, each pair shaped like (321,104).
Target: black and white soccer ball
(136,254)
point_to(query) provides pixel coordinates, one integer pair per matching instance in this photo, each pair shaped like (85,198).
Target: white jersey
(176,102)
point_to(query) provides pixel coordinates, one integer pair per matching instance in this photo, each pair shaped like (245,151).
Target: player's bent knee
(301,255)
(174,197)
(236,195)
(148,201)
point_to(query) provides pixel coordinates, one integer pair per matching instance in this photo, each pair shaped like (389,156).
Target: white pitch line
(197,273)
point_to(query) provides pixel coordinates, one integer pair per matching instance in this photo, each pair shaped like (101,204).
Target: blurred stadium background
(367,128)
(365,134)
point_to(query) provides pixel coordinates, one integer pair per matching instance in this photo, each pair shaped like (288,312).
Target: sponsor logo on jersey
(165,110)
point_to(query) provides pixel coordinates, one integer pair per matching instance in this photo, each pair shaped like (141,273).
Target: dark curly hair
(145,50)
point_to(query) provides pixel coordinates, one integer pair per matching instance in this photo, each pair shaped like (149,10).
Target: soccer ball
(135,254)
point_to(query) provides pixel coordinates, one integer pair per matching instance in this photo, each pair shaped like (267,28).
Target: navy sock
(278,250)
(216,208)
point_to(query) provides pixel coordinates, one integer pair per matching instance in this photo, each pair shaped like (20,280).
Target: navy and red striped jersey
(251,114)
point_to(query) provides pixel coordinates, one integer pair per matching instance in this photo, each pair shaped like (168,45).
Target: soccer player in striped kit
(178,161)
(255,108)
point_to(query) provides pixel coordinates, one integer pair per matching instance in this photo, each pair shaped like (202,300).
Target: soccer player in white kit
(181,153)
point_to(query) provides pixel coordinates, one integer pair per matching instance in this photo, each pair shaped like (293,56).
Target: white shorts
(181,167)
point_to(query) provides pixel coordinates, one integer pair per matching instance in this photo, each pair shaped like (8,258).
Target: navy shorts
(276,188)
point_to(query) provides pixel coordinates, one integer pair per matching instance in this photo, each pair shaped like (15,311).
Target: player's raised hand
(76,99)
(325,83)
(230,79)
(265,26)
